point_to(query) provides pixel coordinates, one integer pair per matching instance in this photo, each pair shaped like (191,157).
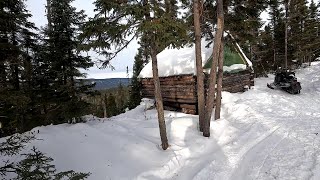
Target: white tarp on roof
(182,61)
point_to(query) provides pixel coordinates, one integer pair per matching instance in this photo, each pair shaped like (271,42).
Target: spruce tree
(243,19)
(298,14)
(311,37)
(111,106)
(277,25)
(121,99)
(64,61)
(34,166)
(135,91)
(265,62)
(17,42)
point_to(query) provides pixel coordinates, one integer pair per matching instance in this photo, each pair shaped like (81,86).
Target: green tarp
(230,57)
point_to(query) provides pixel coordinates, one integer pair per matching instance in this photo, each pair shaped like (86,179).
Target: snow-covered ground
(263,134)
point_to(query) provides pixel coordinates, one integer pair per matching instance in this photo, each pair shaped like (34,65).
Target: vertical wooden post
(200,75)
(213,75)
(219,83)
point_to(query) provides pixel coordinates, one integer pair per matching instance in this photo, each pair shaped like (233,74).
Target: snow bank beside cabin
(262,134)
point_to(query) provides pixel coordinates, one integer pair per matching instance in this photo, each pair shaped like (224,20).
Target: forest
(41,84)
(40,78)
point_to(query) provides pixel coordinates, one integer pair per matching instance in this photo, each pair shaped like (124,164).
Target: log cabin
(178,78)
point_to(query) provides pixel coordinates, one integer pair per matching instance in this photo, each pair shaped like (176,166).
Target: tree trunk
(15,66)
(158,97)
(219,83)
(2,75)
(213,71)
(286,36)
(200,76)
(49,15)
(156,81)
(168,6)
(16,79)
(274,56)
(104,104)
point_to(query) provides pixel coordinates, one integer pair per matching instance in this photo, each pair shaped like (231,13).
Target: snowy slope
(263,134)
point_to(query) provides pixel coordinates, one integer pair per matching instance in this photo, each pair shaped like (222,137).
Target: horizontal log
(180,105)
(189,106)
(171,93)
(234,89)
(189,82)
(189,111)
(172,96)
(178,87)
(188,101)
(151,91)
(181,96)
(191,93)
(174,78)
(239,83)
(170,108)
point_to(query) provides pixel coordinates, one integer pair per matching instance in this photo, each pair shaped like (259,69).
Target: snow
(234,67)
(177,61)
(182,61)
(262,134)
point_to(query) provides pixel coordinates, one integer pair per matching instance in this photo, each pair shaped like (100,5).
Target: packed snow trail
(263,134)
(291,151)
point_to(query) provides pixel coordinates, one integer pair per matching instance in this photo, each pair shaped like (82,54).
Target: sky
(124,59)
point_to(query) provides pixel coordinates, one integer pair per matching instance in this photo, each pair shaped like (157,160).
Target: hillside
(102,84)
(263,134)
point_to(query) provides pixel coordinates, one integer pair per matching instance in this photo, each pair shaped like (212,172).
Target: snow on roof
(177,61)
(182,61)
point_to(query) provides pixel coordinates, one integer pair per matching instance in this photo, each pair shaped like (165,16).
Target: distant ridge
(102,84)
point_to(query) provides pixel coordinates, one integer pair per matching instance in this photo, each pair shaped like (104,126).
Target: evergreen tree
(111,106)
(265,61)
(311,37)
(243,21)
(17,41)
(298,14)
(277,26)
(64,61)
(34,166)
(121,99)
(135,92)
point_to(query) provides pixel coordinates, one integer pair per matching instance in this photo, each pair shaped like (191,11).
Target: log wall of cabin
(179,92)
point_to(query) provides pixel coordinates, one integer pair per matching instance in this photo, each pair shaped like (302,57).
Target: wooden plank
(174,88)
(189,101)
(172,96)
(188,82)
